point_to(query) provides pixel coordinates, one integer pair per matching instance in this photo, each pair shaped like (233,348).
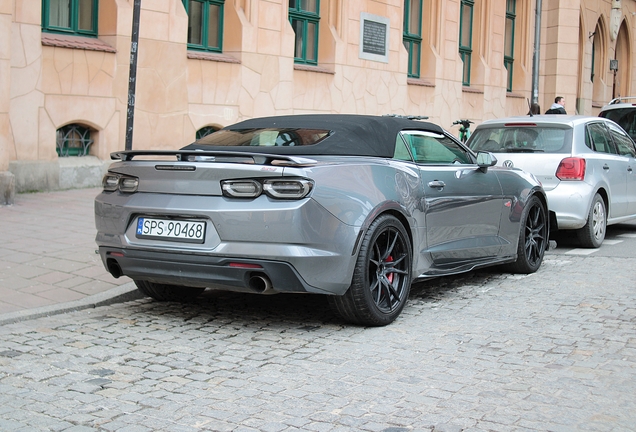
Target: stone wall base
(7,188)
(61,174)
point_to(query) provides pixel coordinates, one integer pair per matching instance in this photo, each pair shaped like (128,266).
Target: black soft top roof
(352,134)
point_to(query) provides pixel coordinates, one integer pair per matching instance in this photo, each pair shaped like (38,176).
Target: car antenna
(529,108)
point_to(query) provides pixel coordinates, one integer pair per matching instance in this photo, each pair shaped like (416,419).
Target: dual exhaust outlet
(257,282)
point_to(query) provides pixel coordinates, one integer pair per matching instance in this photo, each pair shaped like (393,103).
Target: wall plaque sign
(374,38)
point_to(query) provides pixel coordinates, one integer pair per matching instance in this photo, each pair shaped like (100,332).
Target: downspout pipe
(536,53)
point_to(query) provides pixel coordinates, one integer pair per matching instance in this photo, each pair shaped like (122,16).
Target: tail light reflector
(571,168)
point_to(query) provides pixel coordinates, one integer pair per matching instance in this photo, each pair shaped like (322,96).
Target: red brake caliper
(390,275)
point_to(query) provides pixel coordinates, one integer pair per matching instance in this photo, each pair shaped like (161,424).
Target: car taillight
(127,184)
(241,188)
(571,169)
(274,188)
(287,189)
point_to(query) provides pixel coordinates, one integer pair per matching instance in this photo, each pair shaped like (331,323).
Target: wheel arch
(390,207)
(603,193)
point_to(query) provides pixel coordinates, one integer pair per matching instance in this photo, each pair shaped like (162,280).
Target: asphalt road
(484,351)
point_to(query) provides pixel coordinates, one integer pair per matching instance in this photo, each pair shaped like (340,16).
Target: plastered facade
(47,83)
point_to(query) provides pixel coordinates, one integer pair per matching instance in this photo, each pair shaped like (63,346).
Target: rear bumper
(206,272)
(293,242)
(570,201)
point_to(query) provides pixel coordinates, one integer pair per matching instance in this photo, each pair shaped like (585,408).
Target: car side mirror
(485,160)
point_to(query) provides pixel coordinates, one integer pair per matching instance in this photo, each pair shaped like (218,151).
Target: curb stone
(120,294)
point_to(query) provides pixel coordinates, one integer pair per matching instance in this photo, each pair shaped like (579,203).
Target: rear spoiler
(216,156)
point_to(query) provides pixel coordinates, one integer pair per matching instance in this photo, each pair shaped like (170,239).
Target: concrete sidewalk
(48,262)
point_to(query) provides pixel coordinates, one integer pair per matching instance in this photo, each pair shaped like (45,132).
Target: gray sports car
(355,207)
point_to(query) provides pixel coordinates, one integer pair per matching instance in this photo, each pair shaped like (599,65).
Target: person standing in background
(558,107)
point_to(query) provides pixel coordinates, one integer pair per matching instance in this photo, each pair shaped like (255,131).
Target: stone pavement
(479,352)
(47,256)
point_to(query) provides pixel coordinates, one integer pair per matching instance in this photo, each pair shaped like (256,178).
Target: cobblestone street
(555,351)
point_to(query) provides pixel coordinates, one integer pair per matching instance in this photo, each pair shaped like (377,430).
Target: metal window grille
(73,140)
(205,131)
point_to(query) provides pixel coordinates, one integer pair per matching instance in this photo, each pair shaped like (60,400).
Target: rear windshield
(625,117)
(521,139)
(270,137)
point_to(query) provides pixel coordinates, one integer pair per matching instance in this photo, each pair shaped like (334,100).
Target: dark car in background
(585,164)
(623,112)
(353,207)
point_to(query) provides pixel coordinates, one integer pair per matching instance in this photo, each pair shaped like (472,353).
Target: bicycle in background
(464,129)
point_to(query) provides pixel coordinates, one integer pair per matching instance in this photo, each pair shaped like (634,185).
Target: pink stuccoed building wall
(50,80)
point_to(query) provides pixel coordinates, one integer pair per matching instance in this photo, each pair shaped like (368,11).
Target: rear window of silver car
(521,139)
(269,137)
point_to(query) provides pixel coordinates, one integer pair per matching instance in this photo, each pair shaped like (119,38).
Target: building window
(73,140)
(205,131)
(466,37)
(304,16)
(412,37)
(205,24)
(509,43)
(70,16)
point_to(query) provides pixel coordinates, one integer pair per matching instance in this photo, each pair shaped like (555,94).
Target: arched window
(205,131)
(73,140)
(599,56)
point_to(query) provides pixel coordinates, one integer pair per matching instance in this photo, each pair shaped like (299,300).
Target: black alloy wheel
(382,276)
(533,237)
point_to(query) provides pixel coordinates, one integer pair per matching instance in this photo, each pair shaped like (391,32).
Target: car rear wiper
(523,150)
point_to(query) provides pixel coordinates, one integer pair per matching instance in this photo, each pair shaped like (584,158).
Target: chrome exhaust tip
(261,284)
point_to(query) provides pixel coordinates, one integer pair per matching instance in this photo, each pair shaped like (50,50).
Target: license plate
(171,229)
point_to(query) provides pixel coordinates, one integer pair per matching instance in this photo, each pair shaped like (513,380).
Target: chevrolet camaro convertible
(350,206)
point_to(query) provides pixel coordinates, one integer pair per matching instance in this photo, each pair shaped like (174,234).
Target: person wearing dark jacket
(558,107)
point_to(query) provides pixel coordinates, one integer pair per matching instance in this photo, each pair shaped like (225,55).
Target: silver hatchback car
(585,164)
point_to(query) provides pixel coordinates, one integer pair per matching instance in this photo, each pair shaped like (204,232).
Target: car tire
(381,278)
(164,292)
(533,238)
(593,233)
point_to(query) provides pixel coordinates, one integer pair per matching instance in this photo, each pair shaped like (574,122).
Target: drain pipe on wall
(536,54)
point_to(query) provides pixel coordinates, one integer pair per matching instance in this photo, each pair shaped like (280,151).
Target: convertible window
(432,148)
(268,137)
(401,152)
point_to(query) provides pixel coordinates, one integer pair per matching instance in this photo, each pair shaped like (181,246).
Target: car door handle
(629,169)
(606,167)
(436,184)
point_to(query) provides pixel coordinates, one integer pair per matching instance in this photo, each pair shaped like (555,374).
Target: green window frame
(304,16)
(205,24)
(466,38)
(509,42)
(75,17)
(412,35)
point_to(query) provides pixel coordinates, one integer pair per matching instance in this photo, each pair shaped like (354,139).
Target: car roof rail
(620,99)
